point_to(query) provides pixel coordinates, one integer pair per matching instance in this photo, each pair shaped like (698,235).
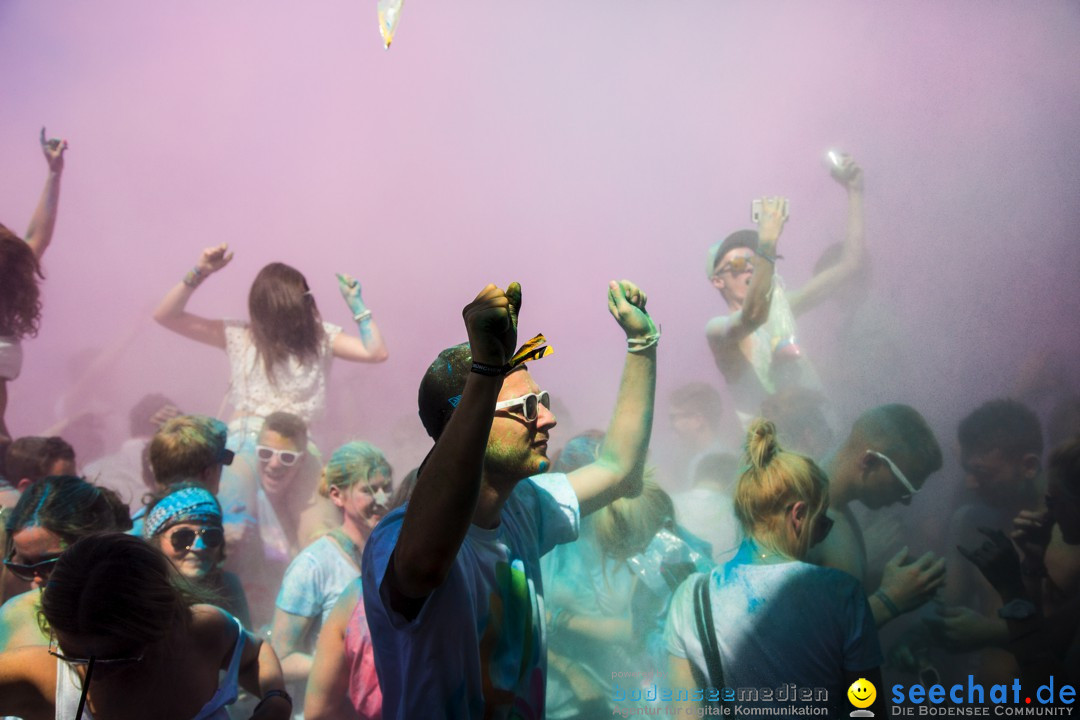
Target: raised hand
(910,584)
(350,290)
(214,258)
(165,414)
(626,303)
(53,148)
(847,172)
(771,222)
(491,322)
(998,561)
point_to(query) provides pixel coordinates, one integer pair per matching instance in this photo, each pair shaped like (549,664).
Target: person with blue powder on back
(768,618)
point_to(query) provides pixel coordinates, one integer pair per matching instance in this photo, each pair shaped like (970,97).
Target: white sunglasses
(911,489)
(530,404)
(287,458)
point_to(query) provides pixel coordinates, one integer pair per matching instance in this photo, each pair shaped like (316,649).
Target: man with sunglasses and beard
(755,345)
(455,574)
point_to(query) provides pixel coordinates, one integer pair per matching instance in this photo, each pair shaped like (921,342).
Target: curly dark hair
(20,301)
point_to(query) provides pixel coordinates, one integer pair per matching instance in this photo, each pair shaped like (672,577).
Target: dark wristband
(488,370)
(274,693)
(1033,569)
(887,602)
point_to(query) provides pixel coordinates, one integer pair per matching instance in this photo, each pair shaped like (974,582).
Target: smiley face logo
(862,693)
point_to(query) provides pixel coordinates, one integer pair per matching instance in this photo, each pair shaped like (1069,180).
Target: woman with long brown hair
(279,359)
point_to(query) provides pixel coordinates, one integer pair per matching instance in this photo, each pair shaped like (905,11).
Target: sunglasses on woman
(54,650)
(90,663)
(530,404)
(822,526)
(184,538)
(27,573)
(287,458)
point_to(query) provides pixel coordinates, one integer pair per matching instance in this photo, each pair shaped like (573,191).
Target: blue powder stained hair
(544,464)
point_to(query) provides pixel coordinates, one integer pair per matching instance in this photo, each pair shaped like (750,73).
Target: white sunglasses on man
(898,473)
(529,404)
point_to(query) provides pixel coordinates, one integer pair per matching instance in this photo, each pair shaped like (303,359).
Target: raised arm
(171,311)
(853,254)
(617,470)
(443,503)
(369,347)
(726,332)
(43,222)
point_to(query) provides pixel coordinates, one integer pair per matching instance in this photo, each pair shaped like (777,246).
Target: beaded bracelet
(194,277)
(362,316)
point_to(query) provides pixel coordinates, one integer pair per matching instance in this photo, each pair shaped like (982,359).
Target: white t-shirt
(314,580)
(781,623)
(122,472)
(296,388)
(478,646)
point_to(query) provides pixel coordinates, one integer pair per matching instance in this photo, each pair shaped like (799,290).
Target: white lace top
(296,388)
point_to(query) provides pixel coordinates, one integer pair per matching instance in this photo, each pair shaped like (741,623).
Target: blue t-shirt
(780,623)
(477,648)
(314,581)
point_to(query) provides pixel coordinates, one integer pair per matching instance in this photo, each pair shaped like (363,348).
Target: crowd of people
(215,568)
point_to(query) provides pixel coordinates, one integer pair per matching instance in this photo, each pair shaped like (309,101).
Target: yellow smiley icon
(862,693)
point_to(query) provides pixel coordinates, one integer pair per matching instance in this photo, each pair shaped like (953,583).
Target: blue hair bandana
(192,504)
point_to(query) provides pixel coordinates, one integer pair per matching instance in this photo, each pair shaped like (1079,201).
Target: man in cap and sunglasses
(455,574)
(187,448)
(755,344)
(884,461)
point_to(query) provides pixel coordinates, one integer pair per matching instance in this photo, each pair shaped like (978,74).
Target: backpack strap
(706,630)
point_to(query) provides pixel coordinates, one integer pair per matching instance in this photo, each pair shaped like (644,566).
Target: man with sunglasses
(455,574)
(755,345)
(884,461)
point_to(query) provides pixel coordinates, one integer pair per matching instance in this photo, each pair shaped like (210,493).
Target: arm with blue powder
(369,347)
